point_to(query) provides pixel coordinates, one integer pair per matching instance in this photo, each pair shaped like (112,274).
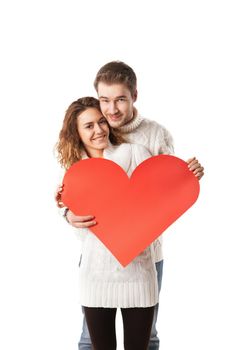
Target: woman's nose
(98,129)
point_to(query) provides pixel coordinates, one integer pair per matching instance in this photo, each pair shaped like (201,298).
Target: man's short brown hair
(117,72)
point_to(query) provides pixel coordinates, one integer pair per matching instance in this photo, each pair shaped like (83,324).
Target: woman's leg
(101,325)
(137,327)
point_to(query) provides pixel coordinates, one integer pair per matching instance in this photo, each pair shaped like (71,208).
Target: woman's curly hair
(69,146)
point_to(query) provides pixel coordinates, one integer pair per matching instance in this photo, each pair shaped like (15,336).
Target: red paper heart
(130,212)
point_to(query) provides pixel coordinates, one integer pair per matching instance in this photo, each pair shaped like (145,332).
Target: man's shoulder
(149,123)
(153,135)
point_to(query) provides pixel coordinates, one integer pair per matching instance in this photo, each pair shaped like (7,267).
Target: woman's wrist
(65,214)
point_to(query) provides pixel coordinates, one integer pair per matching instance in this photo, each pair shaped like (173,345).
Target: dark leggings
(137,327)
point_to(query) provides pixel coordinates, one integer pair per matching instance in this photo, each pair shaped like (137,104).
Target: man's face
(116,103)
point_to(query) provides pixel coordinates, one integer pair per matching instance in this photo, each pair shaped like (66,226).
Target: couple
(112,128)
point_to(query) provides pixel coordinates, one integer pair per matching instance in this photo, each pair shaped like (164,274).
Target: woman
(104,284)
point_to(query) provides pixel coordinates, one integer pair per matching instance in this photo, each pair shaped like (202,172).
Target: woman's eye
(103,121)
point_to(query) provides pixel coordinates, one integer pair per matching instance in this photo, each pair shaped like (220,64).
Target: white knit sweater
(148,133)
(103,282)
(157,140)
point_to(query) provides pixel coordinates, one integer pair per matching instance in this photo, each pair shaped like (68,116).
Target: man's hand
(80,221)
(195,167)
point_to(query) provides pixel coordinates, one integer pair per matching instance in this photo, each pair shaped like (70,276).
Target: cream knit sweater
(157,140)
(103,282)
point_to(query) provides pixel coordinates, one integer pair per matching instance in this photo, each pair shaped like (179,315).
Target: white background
(50,53)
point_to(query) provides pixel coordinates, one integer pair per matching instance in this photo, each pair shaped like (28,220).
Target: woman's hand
(57,196)
(195,167)
(72,219)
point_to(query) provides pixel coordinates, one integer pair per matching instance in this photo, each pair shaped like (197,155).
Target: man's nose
(113,107)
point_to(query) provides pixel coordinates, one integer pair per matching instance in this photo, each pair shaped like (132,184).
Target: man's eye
(88,126)
(121,99)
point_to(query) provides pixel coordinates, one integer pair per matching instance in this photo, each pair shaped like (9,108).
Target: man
(116,86)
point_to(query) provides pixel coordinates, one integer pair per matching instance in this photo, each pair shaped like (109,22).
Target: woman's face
(93,130)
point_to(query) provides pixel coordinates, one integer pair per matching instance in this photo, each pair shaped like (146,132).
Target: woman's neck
(95,153)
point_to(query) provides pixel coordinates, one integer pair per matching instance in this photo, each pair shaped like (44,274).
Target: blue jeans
(85,340)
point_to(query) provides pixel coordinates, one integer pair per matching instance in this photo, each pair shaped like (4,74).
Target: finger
(57,198)
(82,218)
(194,165)
(84,224)
(190,160)
(59,188)
(60,204)
(198,170)
(193,161)
(199,175)
(57,194)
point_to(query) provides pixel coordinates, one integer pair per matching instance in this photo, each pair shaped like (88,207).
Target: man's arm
(167,147)
(80,221)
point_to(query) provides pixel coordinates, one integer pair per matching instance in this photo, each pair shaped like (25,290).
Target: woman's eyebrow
(87,123)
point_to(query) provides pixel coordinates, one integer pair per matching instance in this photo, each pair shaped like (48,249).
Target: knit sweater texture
(157,140)
(103,282)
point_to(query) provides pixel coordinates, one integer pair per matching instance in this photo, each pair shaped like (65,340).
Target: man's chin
(116,123)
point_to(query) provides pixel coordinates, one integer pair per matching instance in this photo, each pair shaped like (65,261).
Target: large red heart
(130,212)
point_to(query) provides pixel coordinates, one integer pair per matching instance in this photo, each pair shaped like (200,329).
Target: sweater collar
(107,151)
(119,154)
(133,124)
